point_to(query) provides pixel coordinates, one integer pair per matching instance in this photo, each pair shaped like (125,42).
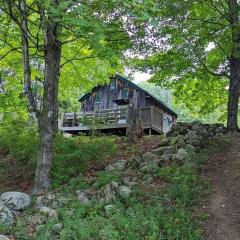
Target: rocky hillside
(149,196)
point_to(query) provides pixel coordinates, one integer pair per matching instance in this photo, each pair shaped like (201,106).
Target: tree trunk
(48,120)
(233,98)
(234,85)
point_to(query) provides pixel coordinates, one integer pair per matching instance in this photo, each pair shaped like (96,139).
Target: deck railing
(150,117)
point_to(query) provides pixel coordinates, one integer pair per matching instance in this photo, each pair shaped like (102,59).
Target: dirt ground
(223,206)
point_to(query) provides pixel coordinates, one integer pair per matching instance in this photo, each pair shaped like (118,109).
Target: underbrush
(72,156)
(167,211)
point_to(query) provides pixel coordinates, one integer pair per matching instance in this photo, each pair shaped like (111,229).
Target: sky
(140,76)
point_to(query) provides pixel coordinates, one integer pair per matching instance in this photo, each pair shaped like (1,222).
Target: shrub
(71,155)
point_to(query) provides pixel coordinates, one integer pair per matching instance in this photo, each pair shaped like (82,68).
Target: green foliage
(193,55)
(161,94)
(20,139)
(103,178)
(165,214)
(73,156)
(189,111)
(183,186)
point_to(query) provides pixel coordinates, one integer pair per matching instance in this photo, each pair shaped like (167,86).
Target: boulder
(6,215)
(37,219)
(191,148)
(82,197)
(129,181)
(2,237)
(124,191)
(119,165)
(136,161)
(148,179)
(181,154)
(166,157)
(161,150)
(40,227)
(164,142)
(51,213)
(51,200)
(56,228)
(15,200)
(193,138)
(114,184)
(107,193)
(173,140)
(109,209)
(149,156)
(149,167)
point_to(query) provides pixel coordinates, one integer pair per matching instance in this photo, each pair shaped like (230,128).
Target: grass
(72,156)
(160,213)
(166,212)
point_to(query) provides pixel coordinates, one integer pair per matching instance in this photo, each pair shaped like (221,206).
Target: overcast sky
(140,76)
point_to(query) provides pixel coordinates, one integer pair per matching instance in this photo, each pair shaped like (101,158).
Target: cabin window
(98,97)
(124,93)
(112,85)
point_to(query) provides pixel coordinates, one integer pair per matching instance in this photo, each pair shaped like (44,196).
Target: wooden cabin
(113,107)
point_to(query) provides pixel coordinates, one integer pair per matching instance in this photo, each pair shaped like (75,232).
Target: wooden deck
(112,119)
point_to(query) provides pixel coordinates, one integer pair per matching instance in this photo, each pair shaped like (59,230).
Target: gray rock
(37,219)
(2,237)
(109,209)
(173,140)
(193,138)
(164,142)
(181,155)
(166,157)
(129,182)
(148,179)
(51,200)
(15,200)
(108,194)
(136,161)
(57,227)
(161,150)
(51,213)
(44,210)
(124,192)
(149,156)
(191,148)
(149,167)
(39,227)
(6,215)
(114,184)
(82,197)
(181,143)
(119,165)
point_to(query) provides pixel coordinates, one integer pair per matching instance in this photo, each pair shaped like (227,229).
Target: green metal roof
(135,86)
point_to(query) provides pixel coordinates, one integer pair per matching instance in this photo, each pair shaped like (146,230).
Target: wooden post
(151,117)
(131,122)
(150,131)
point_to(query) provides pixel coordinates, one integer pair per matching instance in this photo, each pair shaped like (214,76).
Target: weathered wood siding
(103,97)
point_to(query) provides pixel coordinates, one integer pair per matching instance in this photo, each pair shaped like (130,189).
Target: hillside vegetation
(104,188)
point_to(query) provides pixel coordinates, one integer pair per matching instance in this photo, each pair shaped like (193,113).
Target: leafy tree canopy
(193,43)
